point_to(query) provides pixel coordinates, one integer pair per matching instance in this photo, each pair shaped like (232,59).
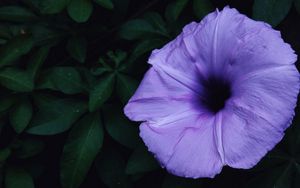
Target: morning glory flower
(222,93)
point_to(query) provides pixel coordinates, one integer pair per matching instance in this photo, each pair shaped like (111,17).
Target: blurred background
(68,67)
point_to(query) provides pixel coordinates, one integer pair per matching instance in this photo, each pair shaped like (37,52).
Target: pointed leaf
(137,29)
(14,49)
(179,182)
(64,79)
(16,79)
(80,10)
(141,160)
(6,103)
(174,10)
(16,14)
(101,92)
(55,115)
(279,177)
(111,169)
(80,150)
(18,177)
(4,155)
(51,7)
(21,115)
(297,5)
(126,87)
(202,8)
(28,148)
(77,48)
(108,4)
(142,48)
(156,21)
(271,11)
(119,127)
(36,60)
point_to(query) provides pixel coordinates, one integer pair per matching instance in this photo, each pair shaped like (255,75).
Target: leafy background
(68,67)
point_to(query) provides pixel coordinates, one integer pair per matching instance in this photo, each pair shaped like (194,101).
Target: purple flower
(222,93)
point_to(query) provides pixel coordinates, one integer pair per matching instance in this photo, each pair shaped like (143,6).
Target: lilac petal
(228,42)
(258,114)
(185,147)
(247,137)
(174,60)
(270,94)
(157,96)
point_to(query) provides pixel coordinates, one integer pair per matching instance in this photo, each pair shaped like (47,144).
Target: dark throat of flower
(216,92)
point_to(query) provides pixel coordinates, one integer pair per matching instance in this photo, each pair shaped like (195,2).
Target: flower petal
(174,60)
(247,137)
(270,94)
(185,147)
(230,43)
(159,96)
(261,108)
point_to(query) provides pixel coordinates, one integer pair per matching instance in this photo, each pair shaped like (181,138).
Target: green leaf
(80,150)
(14,49)
(101,92)
(6,103)
(120,128)
(108,4)
(117,57)
(111,169)
(16,79)
(64,79)
(138,29)
(5,32)
(45,35)
(142,48)
(26,148)
(51,7)
(80,10)
(4,155)
(202,8)
(77,48)
(98,71)
(156,21)
(140,161)
(297,5)
(21,115)
(16,14)
(279,177)
(271,11)
(55,115)
(18,177)
(36,60)
(88,78)
(126,87)
(174,10)
(178,182)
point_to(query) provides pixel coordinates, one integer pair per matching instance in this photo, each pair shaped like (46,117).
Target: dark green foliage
(77,48)
(18,177)
(119,127)
(21,115)
(202,8)
(271,11)
(16,13)
(111,169)
(80,10)
(55,115)
(68,68)
(14,49)
(141,161)
(83,144)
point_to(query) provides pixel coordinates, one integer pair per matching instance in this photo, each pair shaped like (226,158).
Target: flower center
(216,93)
